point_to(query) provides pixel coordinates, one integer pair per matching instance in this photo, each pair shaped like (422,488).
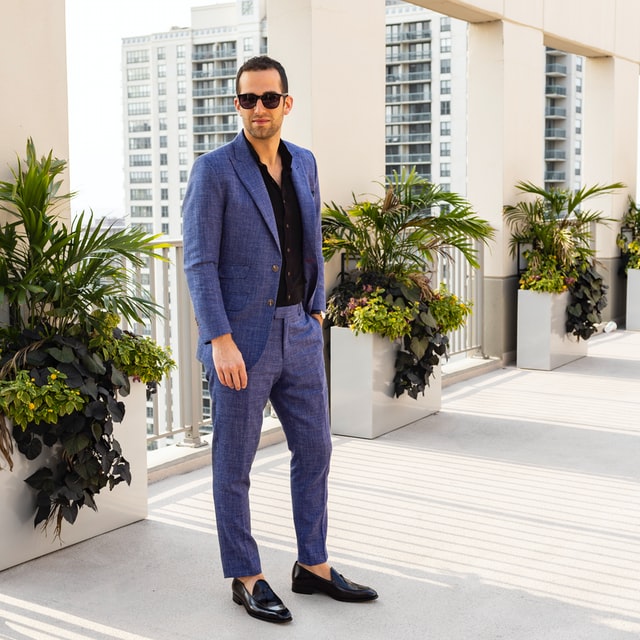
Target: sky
(95,29)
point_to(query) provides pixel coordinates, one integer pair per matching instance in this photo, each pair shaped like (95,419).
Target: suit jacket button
(275,267)
(270,302)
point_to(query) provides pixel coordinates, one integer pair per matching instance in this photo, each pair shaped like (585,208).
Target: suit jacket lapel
(251,177)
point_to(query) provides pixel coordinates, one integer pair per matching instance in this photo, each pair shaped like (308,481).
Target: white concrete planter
(633,300)
(543,342)
(362,402)
(19,541)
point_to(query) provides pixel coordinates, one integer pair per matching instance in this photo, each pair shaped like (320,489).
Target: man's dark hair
(263,63)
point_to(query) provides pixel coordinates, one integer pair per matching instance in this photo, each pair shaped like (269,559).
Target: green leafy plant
(449,312)
(557,229)
(587,301)
(394,240)
(64,364)
(630,248)
(544,274)
(381,314)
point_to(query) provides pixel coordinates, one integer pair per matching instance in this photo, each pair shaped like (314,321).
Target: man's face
(261,123)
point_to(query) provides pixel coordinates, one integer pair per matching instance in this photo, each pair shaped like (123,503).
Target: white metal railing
(464,281)
(175,412)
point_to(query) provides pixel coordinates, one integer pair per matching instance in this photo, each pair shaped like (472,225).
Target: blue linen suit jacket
(232,256)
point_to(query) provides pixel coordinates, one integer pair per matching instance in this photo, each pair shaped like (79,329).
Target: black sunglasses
(270,99)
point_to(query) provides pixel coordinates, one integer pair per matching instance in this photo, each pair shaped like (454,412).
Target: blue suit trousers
(290,372)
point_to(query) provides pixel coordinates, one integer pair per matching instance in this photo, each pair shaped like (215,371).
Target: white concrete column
(610,152)
(610,135)
(334,54)
(506,144)
(34,79)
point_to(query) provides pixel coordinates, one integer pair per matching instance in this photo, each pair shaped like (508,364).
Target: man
(253,260)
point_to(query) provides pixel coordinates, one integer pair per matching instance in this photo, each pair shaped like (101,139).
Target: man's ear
(288,105)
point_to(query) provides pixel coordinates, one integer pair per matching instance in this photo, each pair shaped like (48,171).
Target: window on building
(182,104)
(445,65)
(164,176)
(162,88)
(579,85)
(184,176)
(140,177)
(183,191)
(138,126)
(138,73)
(139,143)
(445,169)
(180,51)
(164,194)
(140,211)
(183,158)
(247,45)
(182,87)
(181,69)
(138,108)
(165,228)
(144,227)
(164,211)
(445,128)
(162,124)
(445,23)
(163,160)
(138,91)
(140,55)
(140,160)
(161,53)
(445,87)
(140,194)
(162,71)
(182,122)
(445,44)
(393,33)
(163,142)
(182,140)
(162,106)
(445,108)
(445,148)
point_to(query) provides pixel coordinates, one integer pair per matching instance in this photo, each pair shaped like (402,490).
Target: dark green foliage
(421,349)
(87,456)
(587,302)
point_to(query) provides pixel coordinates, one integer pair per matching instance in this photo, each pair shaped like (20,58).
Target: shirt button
(275,267)
(270,302)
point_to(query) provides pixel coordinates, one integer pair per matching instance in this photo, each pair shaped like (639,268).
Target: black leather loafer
(263,603)
(339,588)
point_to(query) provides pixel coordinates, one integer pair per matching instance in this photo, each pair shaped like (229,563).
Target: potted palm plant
(385,314)
(65,366)
(561,294)
(628,241)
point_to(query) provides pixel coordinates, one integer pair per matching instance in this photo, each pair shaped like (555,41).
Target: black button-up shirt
(286,210)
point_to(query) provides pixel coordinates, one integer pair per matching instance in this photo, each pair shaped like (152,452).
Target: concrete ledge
(464,369)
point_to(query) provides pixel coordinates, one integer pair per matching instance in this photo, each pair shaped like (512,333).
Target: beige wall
(33,69)
(335,63)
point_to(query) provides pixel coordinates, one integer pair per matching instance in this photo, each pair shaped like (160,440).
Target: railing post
(190,369)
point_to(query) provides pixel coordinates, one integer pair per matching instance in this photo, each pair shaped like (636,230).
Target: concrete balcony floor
(513,514)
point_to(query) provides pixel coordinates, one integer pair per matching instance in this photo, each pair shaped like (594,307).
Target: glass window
(445,108)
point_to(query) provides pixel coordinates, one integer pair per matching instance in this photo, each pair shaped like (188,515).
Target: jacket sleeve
(318,302)
(203,210)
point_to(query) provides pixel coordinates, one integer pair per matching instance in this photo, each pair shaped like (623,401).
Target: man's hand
(318,317)
(228,362)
